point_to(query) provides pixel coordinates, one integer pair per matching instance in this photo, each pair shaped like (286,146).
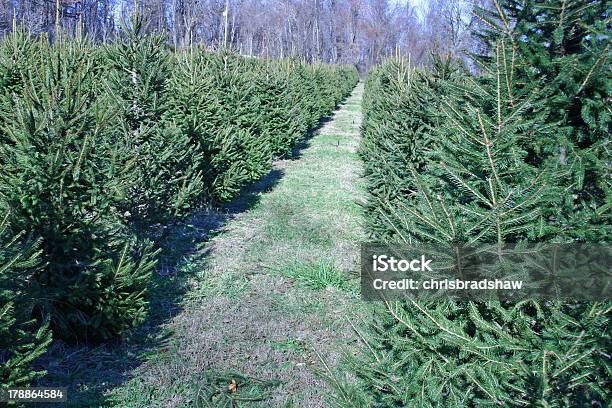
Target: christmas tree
(155,158)
(565,46)
(400,107)
(211,106)
(58,182)
(22,339)
(477,187)
(16,53)
(241,113)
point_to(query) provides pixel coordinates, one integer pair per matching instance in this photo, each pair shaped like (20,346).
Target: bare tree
(360,32)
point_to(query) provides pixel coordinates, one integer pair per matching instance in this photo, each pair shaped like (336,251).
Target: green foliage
(22,340)
(482,354)
(478,162)
(565,46)
(157,166)
(281,105)
(400,107)
(99,143)
(16,52)
(57,181)
(240,113)
(477,184)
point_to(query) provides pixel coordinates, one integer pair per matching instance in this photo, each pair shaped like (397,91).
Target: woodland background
(360,32)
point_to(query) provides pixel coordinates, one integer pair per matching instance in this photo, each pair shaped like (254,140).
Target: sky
(418,4)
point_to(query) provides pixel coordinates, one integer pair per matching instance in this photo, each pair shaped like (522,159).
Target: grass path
(273,285)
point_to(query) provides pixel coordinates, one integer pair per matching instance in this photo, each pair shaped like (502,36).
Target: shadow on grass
(296,151)
(90,371)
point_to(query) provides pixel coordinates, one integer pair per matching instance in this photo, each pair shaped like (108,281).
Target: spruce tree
(300,96)
(400,106)
(205,106)
(281,122)
(565,46)
(57,182)
(157,160)
(22,338)
(16,55)
(478,187)
(241,113)
(239,89)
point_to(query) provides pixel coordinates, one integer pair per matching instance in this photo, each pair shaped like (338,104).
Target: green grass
(288,345)
(314,275)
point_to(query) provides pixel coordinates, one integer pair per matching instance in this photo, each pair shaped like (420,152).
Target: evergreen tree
(479,187)
(57,182)
(97,143)
(211,106)
(156,158)
(400,107)
(22,339)
(16,55)
(241,113)
(281,122)
(566,46)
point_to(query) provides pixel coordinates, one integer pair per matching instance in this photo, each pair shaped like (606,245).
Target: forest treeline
(359,32)
(519,154)
(100,143)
